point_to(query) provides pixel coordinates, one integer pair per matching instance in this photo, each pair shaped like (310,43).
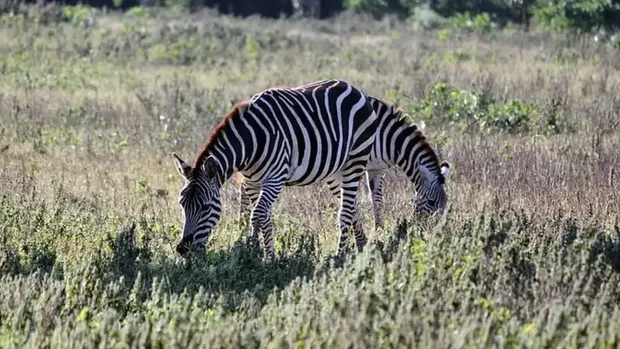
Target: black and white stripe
(398,142)
(401,143)
(323,131)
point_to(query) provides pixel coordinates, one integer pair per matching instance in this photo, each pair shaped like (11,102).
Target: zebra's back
(314,128)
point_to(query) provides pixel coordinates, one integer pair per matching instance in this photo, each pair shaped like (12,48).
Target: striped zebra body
(399,143)
(281,137)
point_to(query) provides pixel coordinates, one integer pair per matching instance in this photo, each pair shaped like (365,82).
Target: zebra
(396,138)
(286,136)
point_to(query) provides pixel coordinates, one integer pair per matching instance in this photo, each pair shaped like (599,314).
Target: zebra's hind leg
(262,217)
(375,186)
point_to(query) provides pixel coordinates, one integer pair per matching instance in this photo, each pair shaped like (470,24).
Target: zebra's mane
(403,119)
(395,110)
(234,113)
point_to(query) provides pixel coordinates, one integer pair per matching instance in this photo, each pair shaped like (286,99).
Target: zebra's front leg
(348,216)
(335,188)
(248,197)
(262,217)
(360,237)
(244,207)
(375,186)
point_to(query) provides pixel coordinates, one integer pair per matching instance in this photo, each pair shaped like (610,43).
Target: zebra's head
(200,202)
(431,194)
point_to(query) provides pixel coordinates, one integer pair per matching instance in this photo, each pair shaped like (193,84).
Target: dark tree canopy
(582,15)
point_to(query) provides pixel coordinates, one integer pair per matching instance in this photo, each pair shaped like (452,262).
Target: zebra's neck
(410,151)
(403,144)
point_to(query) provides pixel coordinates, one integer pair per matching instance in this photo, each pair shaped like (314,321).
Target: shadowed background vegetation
(592,16)
(92,104)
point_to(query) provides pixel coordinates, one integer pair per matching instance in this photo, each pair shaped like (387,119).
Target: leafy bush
(482,22)
(477,110)
(79,15)
(582,15)
(514,116)
(495,8)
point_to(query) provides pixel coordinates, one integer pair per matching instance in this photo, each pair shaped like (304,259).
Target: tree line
(582,15)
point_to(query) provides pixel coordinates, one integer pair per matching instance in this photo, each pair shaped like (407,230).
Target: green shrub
(495,8)
(514,116)
(581,15)
(481,22)
(476,110)
(79,15)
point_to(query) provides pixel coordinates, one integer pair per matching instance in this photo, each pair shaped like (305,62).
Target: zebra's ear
(210,167)
(183,168)
(445,169)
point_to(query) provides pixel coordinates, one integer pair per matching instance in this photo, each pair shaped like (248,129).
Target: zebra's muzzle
(185,246)
(182,249)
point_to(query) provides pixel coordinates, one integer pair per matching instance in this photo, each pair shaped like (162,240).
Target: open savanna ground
(93,104)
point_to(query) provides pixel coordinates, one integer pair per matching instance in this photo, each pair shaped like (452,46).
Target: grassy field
(92,105)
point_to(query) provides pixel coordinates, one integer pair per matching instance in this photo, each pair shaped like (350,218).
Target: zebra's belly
(303,173)
(375,165)
(302,176)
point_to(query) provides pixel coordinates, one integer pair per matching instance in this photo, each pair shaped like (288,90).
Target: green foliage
(252,49)
(138,11)
(495,8)
(79,15)
(178,5)
(514,116)
(558,15)
(581,15)
(467,110)
(480,22)
(443,34)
